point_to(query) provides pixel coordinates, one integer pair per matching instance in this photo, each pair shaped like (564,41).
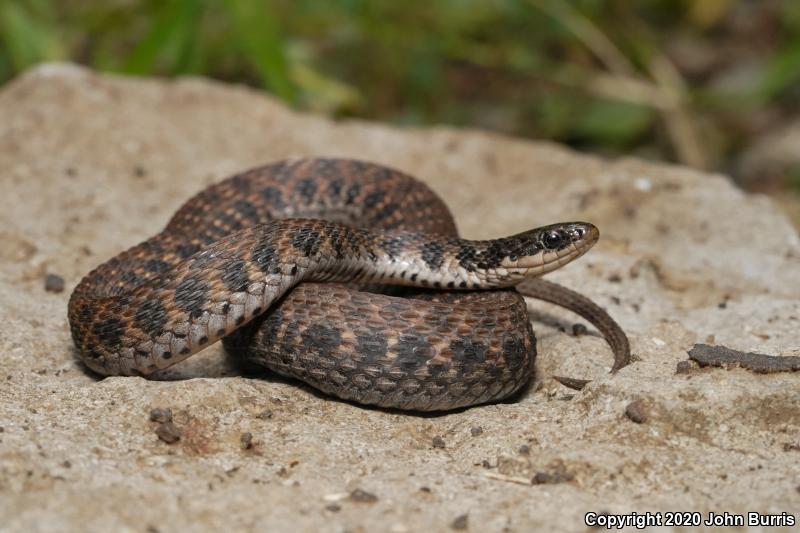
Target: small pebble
(438,442)
(683,367)
(161,415)
(363,496)
(636,412)
(54,283)
(247,440)
(460,523)
(333,507)
(168,433)
(615,278)
(524,450)
(579,329)
(265,414)
(475,431)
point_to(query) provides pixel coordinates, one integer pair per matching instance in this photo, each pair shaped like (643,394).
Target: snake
(347,275)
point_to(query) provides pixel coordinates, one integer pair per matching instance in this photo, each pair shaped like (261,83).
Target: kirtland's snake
(246,259)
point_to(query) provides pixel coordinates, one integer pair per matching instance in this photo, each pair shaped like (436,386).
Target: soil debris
(724,357)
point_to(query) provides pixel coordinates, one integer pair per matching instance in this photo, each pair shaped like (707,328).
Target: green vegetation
(689,81)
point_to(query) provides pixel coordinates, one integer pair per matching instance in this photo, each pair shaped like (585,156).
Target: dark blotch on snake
(352,241)
(78,332)
(466,258)
(273,197)
(191,295)
(386,212)
(307,241)
(392,246)
(247,211)
(352,193)
(132,279)
(433,255)
(151,317)
(412,351)
(374,198)
(156,266)
(470,352)
(492,256)
(307,188)
(227,222)
(272,324)
(373,346)
(265,257)
(187,250)
(335,189)
(234,275)
(320,339)
(514,353)
(109,332)
(335,240)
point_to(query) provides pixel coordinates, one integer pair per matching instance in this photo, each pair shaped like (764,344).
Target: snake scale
(347,275)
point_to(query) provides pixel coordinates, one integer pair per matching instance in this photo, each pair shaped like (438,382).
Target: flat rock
(93,164)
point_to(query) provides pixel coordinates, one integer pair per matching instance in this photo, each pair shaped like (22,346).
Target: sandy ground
(93,164)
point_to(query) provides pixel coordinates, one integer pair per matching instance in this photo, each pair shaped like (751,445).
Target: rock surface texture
(91,165)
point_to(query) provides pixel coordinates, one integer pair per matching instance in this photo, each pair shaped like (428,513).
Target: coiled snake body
(231,261)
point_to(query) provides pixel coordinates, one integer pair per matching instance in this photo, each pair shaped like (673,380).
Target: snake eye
(580,232)
(553,240)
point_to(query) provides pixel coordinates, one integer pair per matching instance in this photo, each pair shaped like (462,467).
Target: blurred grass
(688,81)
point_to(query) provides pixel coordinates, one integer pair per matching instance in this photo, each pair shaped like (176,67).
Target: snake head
(540,250)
